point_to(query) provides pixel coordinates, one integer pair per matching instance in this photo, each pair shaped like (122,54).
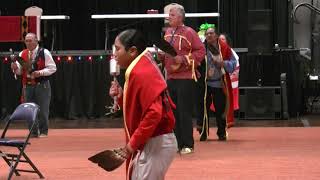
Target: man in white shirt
(35,68)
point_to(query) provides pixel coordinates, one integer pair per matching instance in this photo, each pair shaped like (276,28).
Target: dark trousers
(218,97)
(41,95)
(199,99)
(181,92)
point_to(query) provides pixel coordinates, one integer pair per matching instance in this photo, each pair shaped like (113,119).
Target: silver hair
(178,7)
(34,35)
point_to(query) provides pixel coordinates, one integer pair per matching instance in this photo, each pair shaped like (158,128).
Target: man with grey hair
(35,69)
(181,73)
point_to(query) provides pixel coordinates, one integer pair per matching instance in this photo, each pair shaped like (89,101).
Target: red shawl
(226,55)
(144,84)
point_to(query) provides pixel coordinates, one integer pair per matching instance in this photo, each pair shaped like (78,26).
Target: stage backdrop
(79,88)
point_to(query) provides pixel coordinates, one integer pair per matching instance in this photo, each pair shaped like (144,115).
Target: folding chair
(24,112)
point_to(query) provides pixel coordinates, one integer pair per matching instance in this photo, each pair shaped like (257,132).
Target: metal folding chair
(24,112)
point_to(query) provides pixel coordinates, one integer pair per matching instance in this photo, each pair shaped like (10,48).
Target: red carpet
(277,153)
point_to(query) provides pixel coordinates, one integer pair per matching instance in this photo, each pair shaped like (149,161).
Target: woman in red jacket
(148,118)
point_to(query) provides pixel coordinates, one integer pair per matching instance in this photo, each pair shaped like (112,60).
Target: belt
(213,80)
(33,83)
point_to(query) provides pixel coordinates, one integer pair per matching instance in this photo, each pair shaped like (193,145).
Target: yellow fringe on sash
(205,120)
(127,76)
(191,63)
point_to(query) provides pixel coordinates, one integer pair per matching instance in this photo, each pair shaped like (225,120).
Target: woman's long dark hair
(133,37)
(228,39)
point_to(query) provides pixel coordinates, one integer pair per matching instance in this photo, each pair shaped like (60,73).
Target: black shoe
(222,138)
(203,137)
(34,135)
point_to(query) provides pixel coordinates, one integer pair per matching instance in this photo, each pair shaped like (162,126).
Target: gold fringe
(191,62)
(205,120)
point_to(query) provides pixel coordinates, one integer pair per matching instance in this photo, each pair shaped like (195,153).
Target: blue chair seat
(12,142)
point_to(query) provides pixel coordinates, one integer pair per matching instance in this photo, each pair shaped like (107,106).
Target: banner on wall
(14,28)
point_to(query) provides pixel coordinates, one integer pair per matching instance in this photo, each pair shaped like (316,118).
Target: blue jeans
(41,95)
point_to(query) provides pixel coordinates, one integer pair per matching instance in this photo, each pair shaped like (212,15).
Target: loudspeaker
(260,102)
(259,39)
